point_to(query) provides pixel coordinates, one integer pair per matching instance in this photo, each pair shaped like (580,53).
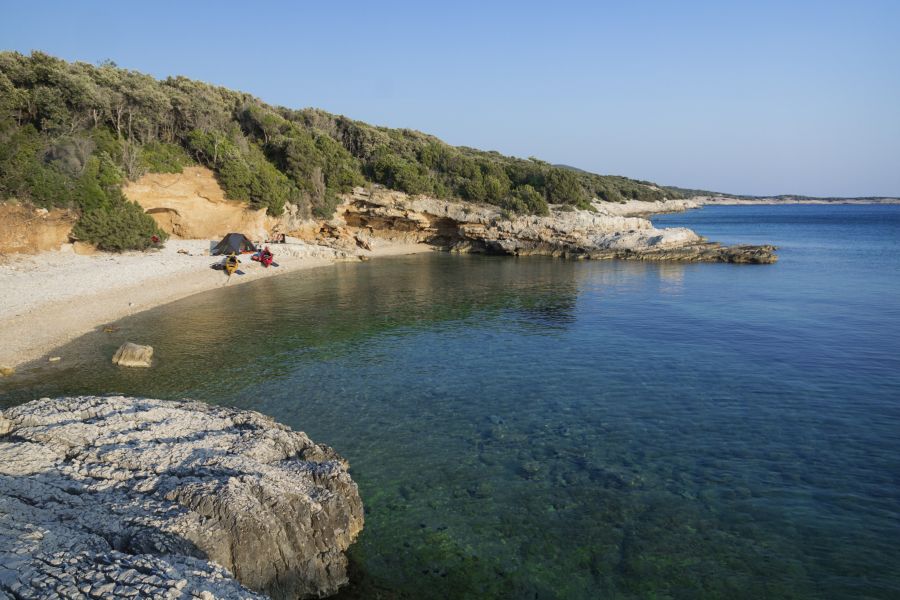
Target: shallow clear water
(535,428)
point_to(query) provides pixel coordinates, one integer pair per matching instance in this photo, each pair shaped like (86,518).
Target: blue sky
(748,97)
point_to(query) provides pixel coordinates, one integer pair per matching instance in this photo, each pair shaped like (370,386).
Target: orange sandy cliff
(29,230)
(192,205)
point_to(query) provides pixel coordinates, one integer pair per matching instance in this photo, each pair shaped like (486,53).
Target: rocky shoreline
(580,234)
(128,497)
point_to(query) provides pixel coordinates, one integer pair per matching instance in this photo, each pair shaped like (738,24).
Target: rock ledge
(603,233)
(127,497)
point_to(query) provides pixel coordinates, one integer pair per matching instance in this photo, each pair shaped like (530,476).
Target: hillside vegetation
(72,133)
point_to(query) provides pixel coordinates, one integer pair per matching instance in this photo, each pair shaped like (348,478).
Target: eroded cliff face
(375,214)
(133,497)
(28,230)
(192,205)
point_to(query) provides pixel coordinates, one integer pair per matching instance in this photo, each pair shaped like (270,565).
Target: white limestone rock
(573,233)
(129,497)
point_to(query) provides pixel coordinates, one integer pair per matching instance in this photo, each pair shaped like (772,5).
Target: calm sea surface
(536,428)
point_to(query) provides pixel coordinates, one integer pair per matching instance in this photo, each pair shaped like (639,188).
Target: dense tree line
(72,133)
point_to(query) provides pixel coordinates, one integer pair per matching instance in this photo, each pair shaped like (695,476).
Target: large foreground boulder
(132,497)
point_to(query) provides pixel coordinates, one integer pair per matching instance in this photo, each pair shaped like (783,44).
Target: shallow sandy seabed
(49,299)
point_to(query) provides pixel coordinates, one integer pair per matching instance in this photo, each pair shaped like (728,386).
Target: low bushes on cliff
(245,174)
(162,157)
(55,116)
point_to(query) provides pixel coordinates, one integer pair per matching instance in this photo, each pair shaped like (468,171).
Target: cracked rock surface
(478,228)
(126,497)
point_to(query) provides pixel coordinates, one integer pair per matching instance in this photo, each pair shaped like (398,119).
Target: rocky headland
(374,217)
(373,214)
(192,204)
(126,497)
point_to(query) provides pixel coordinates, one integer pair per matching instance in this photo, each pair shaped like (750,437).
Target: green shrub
(47,187)
(496,188)
(108,143)
(245,175)
(529,200)
(211,147)
(396,172)
(324,208)
(236,178)
(161,157)
(19,154)
(563,187)
(342,171)
(121,226)
(100,185)
(473,189)
(269,187)
(252,178)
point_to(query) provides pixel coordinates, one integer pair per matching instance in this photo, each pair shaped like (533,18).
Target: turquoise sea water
(537,428)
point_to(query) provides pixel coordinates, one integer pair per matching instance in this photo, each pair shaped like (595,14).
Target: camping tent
(234,242)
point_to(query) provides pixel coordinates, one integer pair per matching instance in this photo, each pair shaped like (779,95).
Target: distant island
(710,197)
